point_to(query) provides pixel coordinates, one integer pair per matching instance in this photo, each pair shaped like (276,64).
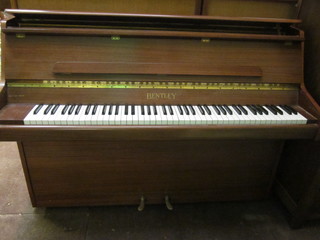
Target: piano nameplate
(161,96)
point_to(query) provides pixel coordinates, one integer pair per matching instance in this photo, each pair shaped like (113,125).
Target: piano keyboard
(51,114)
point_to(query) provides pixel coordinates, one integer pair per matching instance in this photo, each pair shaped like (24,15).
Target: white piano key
(301,119)
(78,118)
(31,117)
(112,116)
(232,118)
(86,116)
(104,118)
(100,116)
(129,116)
(192,118)
(215,118)
(160,118)
(41,115)
(45,117)
(152,117)
(242,118)
(95,117)
(136,118)
(200,119)
(181,116)
(176,117)
(188,115)
(147,117)
(48,118)
(118,115)
(251,118)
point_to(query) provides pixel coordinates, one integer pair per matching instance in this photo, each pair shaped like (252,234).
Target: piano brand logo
(161,95)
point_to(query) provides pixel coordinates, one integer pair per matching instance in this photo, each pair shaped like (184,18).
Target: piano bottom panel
(120,172)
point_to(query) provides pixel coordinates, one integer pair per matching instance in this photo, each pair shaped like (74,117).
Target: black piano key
(272,110)
(193,112)
(78,109)
(229,111)
(94,110)
(207,109)
(164,110)
(133,109)
(37,109)
(110,110)
(243,110)
(88,109)
(265,111)
(201,110)
(224,112)
(170,110)
(180,110)
(259,111)
(54,109)
(216,109)
(148,110)
(295,112)
(47,110)
(287,110)
(253,110)
(104,110)
(185,109)
(126,109)
(237,109)
(117,110)
(65,109)
(72,107)
(277,109)
(155,110)
(142,109)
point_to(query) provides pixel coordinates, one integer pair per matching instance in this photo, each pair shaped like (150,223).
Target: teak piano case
(100,165)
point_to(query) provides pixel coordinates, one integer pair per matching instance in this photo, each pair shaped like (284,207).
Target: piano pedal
(142,204)
(168,203)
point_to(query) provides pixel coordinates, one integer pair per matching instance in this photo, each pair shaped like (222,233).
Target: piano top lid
(39,13)
(29,21)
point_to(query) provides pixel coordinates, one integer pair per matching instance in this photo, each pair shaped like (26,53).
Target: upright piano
(148,109)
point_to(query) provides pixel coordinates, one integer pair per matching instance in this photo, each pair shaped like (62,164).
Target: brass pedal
(168,203)
(142,204)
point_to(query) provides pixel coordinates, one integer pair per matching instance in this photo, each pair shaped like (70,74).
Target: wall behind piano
(310,15)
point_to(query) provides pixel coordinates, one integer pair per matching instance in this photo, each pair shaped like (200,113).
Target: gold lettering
(161,95)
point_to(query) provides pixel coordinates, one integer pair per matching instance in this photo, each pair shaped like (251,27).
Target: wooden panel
(159,68)
(299,173)
(186,132)
(149,96)
(310,15)
(35,56)
(87,173)
(149,33)
(188,7)
(251,8)
(298,180)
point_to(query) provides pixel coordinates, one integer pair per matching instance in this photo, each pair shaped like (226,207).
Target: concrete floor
(219,221)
